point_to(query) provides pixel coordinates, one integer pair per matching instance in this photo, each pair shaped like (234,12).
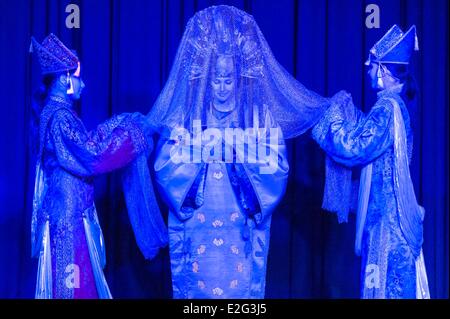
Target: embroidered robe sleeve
(262,181)
(359,142)
(176,175)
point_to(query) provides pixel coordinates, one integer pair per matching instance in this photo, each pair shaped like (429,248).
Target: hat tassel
(380,74)
(416,43)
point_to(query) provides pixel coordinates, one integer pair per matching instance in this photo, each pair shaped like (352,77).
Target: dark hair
(409,92)
(37,104)
(401,71)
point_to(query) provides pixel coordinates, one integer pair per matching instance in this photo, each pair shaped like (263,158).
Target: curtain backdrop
(127,48)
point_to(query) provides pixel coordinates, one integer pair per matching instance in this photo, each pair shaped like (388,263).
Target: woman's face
(78,86)
(77,82)
(223,82)
(373,69)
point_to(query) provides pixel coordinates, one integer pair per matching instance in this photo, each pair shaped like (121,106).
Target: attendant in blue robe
(389,232)
(66,234)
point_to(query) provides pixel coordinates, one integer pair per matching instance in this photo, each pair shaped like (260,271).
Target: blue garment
(66,235)
(391,239)
(219,221)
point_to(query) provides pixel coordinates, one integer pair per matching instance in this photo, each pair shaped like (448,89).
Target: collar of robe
(397,89)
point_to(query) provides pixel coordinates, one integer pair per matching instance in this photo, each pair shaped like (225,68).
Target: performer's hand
(342,98)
